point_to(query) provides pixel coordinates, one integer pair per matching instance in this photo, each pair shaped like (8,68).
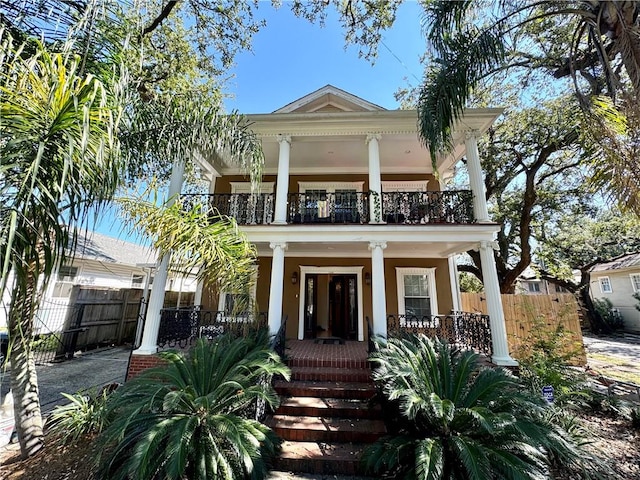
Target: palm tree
(59,160)
(189,417)
(458,421)
(602,40)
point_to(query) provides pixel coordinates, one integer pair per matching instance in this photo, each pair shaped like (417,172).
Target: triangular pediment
(329,99)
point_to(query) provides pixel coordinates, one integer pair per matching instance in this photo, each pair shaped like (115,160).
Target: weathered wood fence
(523,313)
(102,316)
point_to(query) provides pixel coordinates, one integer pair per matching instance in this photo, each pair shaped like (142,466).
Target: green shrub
(611,318)
(188,418)
(84,414)
(461,421)
(545,357)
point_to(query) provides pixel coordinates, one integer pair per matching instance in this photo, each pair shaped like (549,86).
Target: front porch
(181,327)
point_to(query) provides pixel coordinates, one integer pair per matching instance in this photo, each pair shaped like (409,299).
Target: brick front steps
(326,417)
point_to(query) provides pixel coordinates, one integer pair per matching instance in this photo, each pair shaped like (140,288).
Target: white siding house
(617,281)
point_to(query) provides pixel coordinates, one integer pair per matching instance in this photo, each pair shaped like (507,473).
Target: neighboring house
(351,223)
(99,261)
(529,284)
(617,281)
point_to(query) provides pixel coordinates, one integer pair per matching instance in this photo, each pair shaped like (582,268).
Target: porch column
(454,281)
(494,306)
(277,285)
(378,291)
(282,189)
(149,343)
(476,181)
(197,299)
(375,184)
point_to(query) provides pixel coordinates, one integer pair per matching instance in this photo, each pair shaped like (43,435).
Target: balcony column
(476,181)
(378,291)
(454,281)
(149,344)
(375,184)
(282,188)
(277,286)
(197,299)
(494,306)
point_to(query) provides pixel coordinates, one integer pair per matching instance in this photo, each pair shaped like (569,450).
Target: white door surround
(330,270)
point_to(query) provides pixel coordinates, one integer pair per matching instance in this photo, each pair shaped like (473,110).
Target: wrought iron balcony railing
(462,329)
(334,207)
(317,207)
(454,206)
(181,327)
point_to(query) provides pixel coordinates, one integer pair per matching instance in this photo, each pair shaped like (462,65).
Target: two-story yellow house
(352,224)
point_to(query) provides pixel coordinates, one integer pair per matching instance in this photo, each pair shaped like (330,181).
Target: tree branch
(166,11)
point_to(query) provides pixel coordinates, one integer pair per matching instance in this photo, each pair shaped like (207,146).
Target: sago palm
(457,421)
(188,418)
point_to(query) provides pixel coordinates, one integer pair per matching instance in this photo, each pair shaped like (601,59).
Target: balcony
(347,208)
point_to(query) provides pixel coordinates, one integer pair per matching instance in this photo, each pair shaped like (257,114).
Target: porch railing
(428,207)
(247,209)
(338,207)
(181,327)
(409,208)
(462,329)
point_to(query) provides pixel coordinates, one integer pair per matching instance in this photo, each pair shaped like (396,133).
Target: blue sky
(292,57)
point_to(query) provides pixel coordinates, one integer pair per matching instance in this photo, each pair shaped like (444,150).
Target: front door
(343,312)
(311,306)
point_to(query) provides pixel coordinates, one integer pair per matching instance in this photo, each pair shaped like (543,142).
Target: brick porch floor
(307,353)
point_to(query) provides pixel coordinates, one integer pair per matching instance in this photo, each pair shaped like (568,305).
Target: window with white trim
(605,285)
(416,291)
(64,282)
(635,281)
(137,280)
(239,302)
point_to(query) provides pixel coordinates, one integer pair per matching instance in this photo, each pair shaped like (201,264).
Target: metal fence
(181,327)
(462,329)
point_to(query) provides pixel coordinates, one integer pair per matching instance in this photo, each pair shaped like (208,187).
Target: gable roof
(102,248)
(329,99)
(630,260)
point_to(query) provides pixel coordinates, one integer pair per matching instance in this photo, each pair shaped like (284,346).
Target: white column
(454,281)
(212,185)
(378,291)
(282,188)
(277,286)
(197,298)
(494,306)
(375,184)
(149,344)
(476,181)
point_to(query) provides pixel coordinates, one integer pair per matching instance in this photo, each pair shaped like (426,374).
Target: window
(64,281)
(238,303)
(605,285)
(416,291)
(137,281)
(635,281)
(534,287)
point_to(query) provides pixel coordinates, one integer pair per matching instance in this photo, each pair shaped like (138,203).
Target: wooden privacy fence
(523,313)
(99,316)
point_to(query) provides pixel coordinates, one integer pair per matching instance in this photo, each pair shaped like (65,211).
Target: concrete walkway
(88,370)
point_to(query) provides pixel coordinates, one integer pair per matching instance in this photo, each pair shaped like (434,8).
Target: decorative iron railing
(247,209)
(454,206)
(313,207)
(180,327)
(330,207)
(462,329)
(278,343)
(371,344)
